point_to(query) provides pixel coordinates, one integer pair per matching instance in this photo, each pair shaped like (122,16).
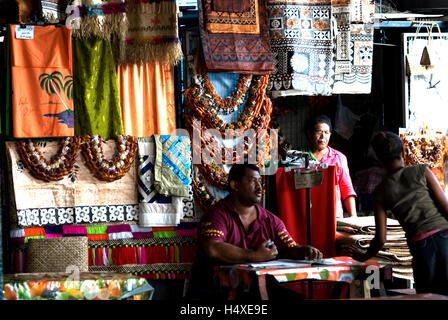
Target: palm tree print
(68,87)
(52,84)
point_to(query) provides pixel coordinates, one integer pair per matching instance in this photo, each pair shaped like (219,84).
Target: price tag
(26,33)
(308,179)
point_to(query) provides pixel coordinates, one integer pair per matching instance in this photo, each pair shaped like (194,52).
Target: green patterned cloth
(96,93)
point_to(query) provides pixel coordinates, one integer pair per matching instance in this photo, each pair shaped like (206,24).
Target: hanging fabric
(172,165)
(147,99)
(292,210)
(54,10)
(5,84)
(78,198)
(354,21)
(42,81)
(155,209)
(152,35)
(96,93)
(98,18)
(240,17)
(247,51)
(301,41)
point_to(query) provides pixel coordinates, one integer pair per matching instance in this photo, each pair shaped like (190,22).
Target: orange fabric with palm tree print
(42,83)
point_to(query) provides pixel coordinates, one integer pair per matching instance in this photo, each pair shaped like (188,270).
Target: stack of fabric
(361,230)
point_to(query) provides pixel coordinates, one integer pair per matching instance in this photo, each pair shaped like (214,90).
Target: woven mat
(142,242)
(56,254)
(145,268)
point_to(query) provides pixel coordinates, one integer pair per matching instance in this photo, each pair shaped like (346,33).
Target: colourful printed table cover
(347,271)
(81,286)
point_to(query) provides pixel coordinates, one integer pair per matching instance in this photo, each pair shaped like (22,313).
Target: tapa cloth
(152,35)
(236,52)
(302,46)
(42,82)
(232,16)
(78,198)
(353,46)
(155,209)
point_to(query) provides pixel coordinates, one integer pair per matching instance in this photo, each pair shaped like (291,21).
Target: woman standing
(319,132)
(417,201)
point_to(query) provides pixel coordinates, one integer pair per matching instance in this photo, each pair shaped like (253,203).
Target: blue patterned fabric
(147,192)
(172,166)
(155,209)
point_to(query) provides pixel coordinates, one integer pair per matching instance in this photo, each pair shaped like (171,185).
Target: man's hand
(263,253)
(311,253)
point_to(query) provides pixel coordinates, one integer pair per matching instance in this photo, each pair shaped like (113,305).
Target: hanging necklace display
(423,149)
(202,194)
(49,170)
(115,168)
(230,156)
(230,104)
(201,108)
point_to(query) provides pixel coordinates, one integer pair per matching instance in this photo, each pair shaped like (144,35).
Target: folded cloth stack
(361,230)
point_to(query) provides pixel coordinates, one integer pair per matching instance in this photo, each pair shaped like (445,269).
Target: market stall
(121,119)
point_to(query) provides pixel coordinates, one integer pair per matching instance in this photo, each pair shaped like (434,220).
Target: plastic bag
(345,120)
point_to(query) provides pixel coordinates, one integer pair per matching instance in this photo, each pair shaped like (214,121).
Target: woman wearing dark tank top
(417,201)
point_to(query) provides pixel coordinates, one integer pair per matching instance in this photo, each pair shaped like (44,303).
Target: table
(82,286)
(343,269)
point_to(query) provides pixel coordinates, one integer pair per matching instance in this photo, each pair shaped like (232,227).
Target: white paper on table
(281,263)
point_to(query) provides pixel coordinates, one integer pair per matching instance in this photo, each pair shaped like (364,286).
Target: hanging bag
(423,57)
(431,52)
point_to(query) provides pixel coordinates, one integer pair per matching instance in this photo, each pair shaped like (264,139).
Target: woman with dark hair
(319,132)
(417,201)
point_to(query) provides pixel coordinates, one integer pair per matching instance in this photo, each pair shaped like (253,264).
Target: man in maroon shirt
(237,230)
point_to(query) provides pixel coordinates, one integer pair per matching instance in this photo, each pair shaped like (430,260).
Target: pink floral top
(344,187)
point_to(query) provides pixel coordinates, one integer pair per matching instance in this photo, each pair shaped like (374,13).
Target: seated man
(237,230)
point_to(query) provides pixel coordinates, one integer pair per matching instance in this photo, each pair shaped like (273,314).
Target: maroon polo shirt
(221,222)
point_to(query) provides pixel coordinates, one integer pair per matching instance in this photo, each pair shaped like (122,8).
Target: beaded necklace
(426,150)
(113,169)
(202,194)
(199,106)
(256,115)
(260,122)
(60,164)
(218,104)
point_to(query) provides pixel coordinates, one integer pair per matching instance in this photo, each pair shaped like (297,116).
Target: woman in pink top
(319,133)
